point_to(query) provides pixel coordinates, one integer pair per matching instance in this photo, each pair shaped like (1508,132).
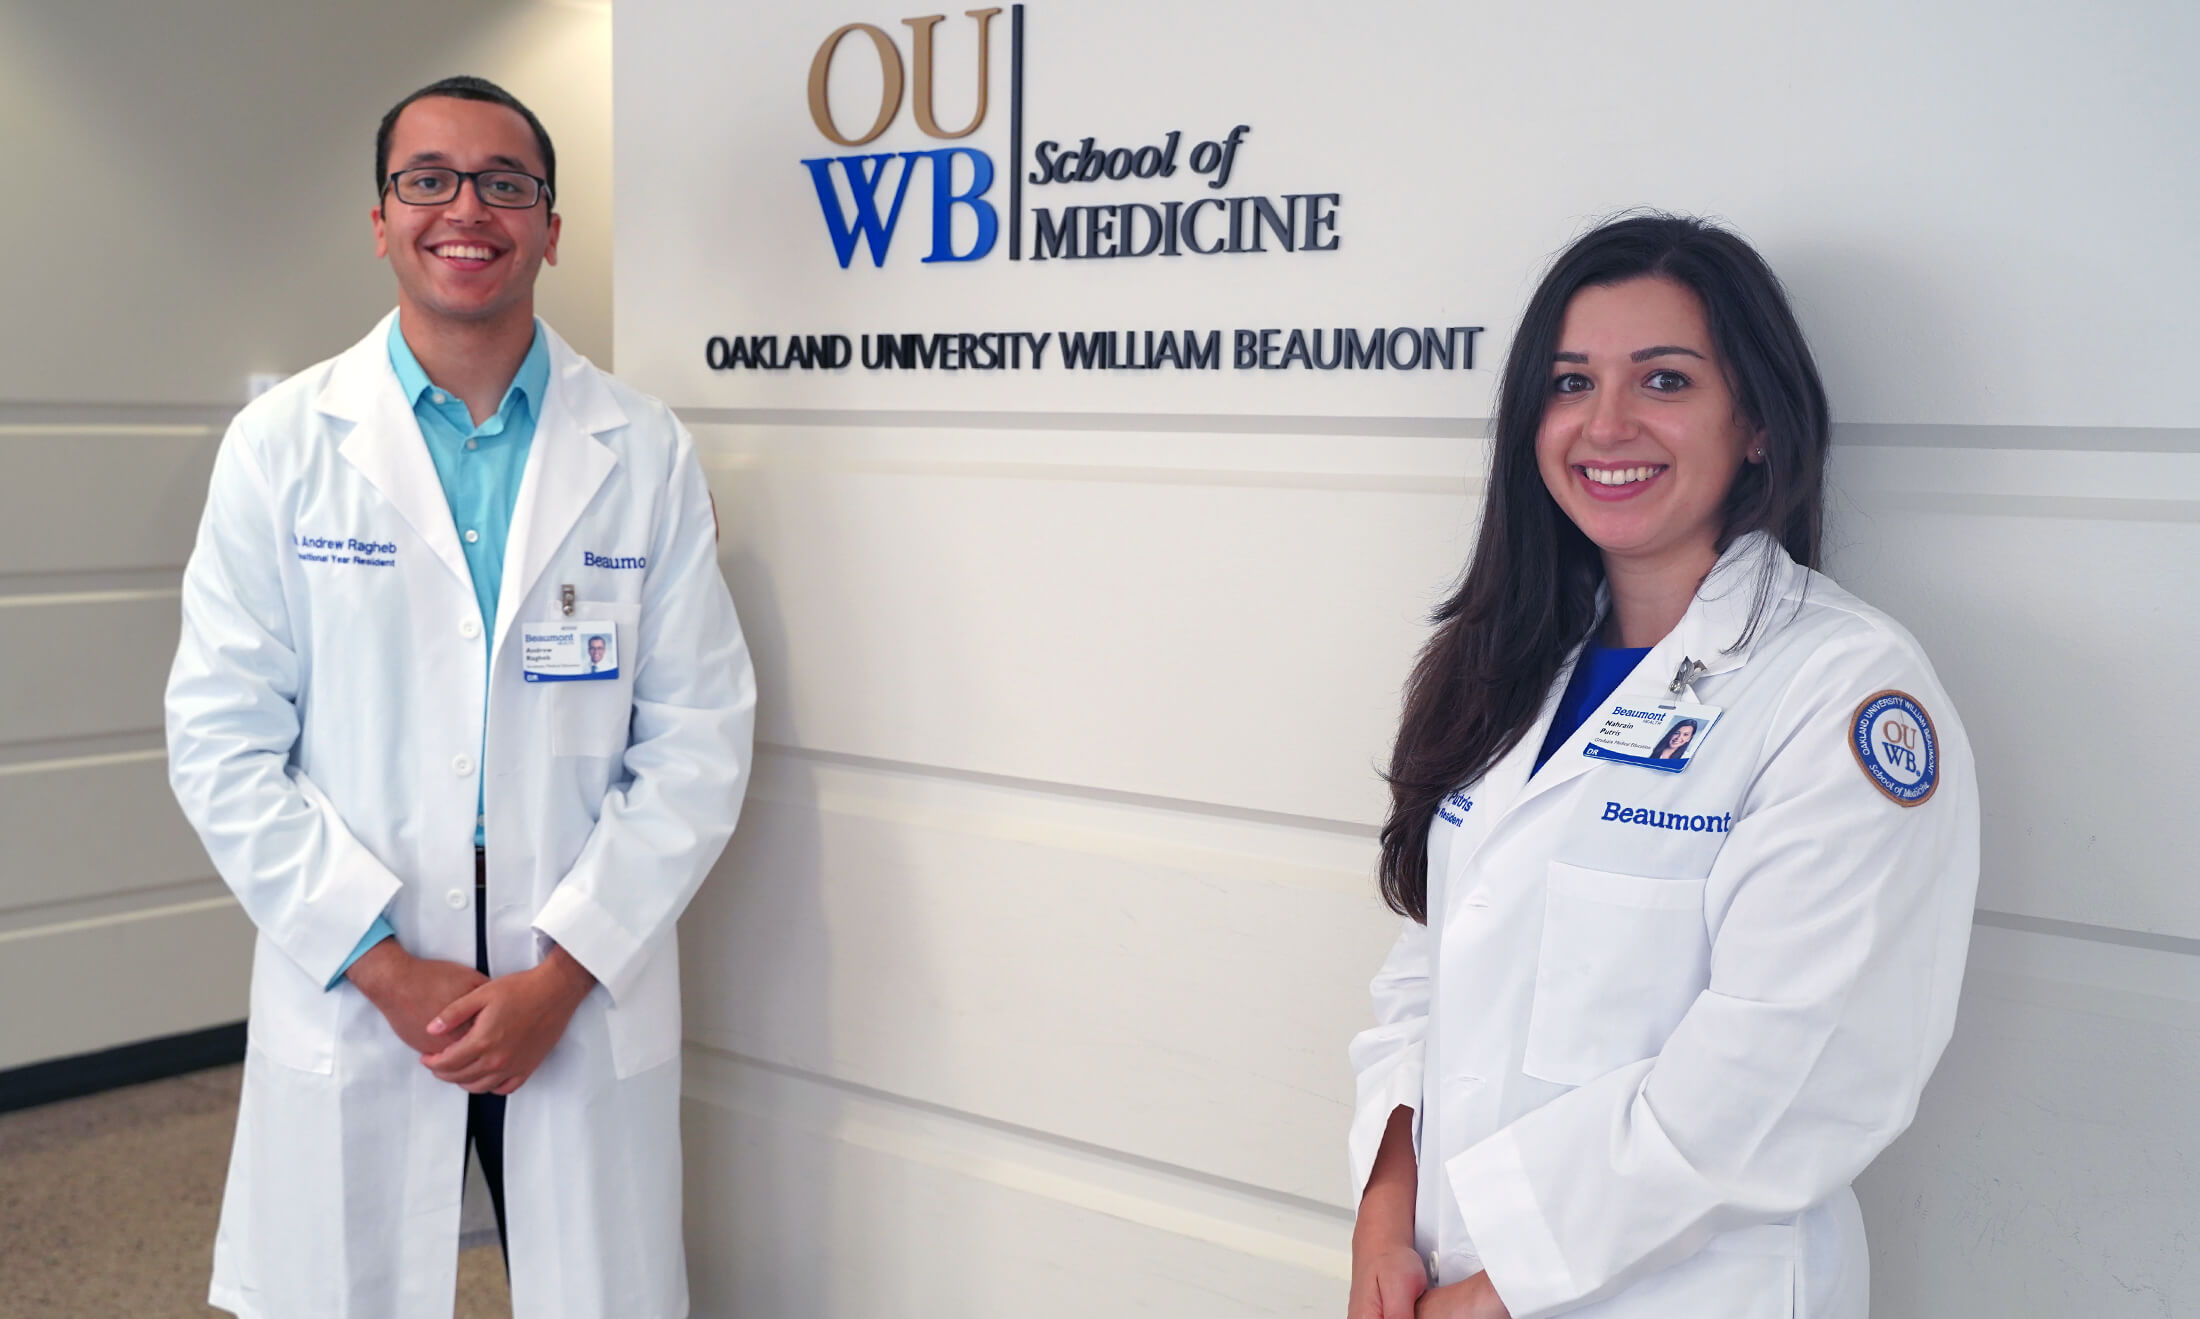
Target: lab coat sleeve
(687,757)
(310,886)
(1835,965)
(1387,1057)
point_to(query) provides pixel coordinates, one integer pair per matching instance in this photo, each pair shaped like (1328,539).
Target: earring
(1756,455)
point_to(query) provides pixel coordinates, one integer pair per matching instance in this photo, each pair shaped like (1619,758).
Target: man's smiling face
(463,261)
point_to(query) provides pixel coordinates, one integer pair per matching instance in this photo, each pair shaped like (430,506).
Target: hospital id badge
(1655,734)
(569,650)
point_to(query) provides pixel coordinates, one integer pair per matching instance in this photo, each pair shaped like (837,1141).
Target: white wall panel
(1014,576)
(94,497)
(122,978)
(2050,1167)
(91,827)
(842,1202)
(86,663)
(1172,985)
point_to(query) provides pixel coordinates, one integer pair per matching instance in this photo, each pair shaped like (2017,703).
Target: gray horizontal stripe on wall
(43,755)
(2164,943)
(2083,439)
(2087,508)
(28,415)
(1176,805)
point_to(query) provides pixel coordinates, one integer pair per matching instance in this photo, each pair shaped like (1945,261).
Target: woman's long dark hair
(1530,591)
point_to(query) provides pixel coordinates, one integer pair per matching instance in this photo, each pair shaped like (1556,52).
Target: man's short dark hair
(465,87)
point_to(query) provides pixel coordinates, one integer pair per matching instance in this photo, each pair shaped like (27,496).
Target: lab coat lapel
(1514,779)
(565,467)
(385,444)
(1710,633)
(1706,634)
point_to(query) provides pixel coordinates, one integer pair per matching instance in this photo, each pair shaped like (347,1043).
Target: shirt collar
(529,383)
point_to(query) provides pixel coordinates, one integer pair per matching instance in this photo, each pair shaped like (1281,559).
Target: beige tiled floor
(108,1205)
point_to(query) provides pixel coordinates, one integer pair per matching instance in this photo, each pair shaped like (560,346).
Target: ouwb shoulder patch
(1892,737)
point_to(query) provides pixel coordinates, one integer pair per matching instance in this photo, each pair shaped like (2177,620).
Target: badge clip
(1688,672)
(565,603)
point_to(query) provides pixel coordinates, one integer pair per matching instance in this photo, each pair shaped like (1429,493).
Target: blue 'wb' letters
(866,174)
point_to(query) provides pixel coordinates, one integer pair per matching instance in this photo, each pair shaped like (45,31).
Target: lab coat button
(462,765)
(456,897)
(469,629)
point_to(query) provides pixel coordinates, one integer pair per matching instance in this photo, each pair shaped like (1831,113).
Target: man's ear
(381,237)
(550,250)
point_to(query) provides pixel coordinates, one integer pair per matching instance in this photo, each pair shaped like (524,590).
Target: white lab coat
(1647,1063)
(325,718)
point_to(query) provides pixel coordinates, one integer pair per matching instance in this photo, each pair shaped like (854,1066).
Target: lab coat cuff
(376,933)
(343,914)
(1379,1098)
(1509,1230)
(573,921)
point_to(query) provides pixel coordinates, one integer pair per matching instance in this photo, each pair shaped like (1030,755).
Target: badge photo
(1893,739)
(575,651)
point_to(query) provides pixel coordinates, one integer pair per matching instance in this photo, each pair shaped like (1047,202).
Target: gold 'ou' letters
(923,99)
(889,97)
(889,60)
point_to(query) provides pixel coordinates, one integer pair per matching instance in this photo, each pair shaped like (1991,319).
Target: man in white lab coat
(464,837)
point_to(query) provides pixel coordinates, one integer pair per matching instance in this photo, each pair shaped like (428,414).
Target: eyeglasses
(506,189)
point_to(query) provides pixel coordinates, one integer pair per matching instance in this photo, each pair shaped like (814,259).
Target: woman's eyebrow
(1663,350)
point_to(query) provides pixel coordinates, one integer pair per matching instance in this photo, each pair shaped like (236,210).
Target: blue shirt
(1598,674)
(480,468)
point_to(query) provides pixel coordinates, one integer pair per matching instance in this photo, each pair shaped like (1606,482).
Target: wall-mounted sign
(1039,204)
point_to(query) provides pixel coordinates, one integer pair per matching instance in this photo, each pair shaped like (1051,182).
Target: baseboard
(127,1064)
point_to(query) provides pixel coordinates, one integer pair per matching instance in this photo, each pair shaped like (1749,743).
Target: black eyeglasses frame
(543,191)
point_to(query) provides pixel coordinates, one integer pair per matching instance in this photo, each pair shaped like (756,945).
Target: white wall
(1025,985)
(188,203)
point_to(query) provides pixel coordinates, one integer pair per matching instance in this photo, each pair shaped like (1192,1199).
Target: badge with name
(1654,734)
(568,650)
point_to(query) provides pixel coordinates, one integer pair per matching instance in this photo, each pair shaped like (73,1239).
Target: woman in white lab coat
(1643,1027)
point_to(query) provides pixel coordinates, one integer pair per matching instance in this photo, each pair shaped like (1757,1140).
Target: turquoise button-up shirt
(480,468)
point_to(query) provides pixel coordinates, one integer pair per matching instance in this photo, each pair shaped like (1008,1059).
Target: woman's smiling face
(1641,438)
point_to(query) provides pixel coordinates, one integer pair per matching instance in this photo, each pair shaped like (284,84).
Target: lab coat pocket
(1623,957)
(292,1020)
(592,718)
(645,1023)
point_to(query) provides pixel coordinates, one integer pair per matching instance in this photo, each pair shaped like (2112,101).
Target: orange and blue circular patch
(1892,737)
